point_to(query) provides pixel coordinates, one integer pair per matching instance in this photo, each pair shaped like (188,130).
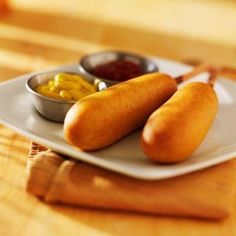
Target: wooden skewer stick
(217,71)
(196,71)
(212,70)
(225,69)
(214,73)
(228,72)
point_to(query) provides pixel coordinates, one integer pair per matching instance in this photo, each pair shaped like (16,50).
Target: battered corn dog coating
(105,117)
(175,130)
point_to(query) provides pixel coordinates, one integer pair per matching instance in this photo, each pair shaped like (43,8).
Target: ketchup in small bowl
(115,66)
(118,70)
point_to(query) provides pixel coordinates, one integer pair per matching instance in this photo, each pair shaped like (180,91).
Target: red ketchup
(118,70)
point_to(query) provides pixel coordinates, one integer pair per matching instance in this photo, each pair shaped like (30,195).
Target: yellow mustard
(66,86)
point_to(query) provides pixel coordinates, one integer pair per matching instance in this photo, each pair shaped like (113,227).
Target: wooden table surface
(41,34)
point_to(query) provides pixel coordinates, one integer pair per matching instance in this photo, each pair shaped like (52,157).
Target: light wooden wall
(39,33)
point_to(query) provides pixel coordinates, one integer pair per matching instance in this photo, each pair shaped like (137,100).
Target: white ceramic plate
(126,156)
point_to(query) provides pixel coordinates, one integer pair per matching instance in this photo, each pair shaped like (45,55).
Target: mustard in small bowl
(54,93)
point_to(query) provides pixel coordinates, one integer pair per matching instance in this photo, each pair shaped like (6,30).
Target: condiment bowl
(89,62)
(50,108)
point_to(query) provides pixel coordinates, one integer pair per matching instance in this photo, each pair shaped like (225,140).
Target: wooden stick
(228,72)
(196,71)
(225,71)
(212,70)
(214,73)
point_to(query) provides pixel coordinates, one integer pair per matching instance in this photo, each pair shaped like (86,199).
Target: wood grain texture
(40,34)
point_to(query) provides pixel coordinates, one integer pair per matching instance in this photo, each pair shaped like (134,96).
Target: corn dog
(176,129)
(103,118)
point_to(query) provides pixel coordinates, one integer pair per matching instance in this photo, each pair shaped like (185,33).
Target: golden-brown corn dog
(103,118)
(177,128)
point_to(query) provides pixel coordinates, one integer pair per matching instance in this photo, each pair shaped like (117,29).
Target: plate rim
(103,163)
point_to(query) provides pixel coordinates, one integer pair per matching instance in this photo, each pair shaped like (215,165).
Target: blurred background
(36,34)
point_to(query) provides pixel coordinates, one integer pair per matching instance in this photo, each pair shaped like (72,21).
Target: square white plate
(126,156)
